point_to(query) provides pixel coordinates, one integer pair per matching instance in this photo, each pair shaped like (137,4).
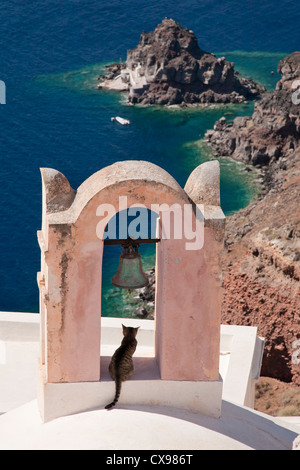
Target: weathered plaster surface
(188,297)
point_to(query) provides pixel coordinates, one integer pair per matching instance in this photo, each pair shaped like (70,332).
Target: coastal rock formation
(168,67)
(261,262)
(273,130)
(289,68)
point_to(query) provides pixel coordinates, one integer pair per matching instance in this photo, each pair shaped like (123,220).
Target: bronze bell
(130,274)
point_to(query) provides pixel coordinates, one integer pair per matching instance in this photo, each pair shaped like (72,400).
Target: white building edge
(128,426)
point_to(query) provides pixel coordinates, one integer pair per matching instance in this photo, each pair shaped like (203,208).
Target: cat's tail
(117,395)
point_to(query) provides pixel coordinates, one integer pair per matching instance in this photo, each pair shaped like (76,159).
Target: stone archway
(188,294)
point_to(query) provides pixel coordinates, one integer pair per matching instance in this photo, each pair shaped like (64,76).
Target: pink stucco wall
(188,291)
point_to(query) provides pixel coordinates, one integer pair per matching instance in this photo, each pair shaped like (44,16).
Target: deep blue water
(51,54)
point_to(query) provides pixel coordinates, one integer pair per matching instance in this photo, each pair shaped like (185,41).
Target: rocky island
(169,68)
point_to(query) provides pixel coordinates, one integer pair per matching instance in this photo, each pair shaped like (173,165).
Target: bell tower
(185,370)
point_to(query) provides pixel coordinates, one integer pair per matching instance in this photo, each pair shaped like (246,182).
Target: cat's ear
(124,329)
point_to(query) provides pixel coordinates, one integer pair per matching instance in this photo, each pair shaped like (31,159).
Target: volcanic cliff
(261,261)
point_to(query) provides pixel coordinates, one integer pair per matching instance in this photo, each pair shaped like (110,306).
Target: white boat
(121,120)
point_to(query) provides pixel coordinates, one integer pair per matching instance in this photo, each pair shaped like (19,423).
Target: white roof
(125,427)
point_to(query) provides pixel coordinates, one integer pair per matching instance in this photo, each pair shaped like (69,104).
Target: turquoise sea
(52,53)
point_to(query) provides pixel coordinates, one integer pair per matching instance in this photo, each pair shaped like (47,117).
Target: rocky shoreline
(269,138)
(169,68)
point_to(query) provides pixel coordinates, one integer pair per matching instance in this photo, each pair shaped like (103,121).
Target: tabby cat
(121,364)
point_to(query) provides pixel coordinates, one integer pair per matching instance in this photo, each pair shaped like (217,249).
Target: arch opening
(140,226)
